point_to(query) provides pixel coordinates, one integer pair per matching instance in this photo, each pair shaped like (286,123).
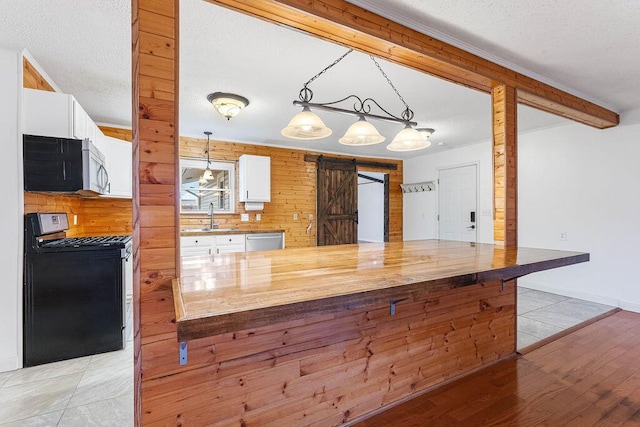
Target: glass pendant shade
(408,139)
(207,175)
(306,125)
(361,133)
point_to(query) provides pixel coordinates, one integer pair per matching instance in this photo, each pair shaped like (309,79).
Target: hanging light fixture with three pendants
(307,125)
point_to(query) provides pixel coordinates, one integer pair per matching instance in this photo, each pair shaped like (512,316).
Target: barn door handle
(356,217)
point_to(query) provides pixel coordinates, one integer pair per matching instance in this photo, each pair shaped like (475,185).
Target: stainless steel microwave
(64,165)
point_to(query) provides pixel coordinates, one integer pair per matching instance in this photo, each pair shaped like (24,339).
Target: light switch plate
(258,217)
(244,217)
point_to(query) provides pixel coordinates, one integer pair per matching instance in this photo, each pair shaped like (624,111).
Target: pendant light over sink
(208,173)
(307,125)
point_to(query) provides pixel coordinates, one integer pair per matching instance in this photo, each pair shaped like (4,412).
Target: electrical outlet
(295,216)
(258,217)
(563,235)
(244,217)
(75,220)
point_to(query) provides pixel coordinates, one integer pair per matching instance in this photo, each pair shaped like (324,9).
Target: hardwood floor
(590,377)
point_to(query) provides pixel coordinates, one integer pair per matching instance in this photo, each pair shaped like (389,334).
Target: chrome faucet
(211,225)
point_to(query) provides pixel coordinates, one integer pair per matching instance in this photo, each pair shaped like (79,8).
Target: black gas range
(45,232)
(74,291)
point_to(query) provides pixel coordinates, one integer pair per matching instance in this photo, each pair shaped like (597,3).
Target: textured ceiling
(85,48)
(589,47)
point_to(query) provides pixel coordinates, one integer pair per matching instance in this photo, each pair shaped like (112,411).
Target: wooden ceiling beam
(344,23)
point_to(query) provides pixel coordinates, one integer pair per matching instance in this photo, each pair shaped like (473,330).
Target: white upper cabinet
(255,178)
(61,116)
(49,114)
(56,114)
(118,162)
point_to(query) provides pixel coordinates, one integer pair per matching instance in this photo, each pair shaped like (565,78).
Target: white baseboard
(9,364)
(630,306)
(572,293)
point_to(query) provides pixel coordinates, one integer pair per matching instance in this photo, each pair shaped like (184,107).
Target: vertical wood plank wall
(293,190)
(505,165)
(155,151)
(32,79)
(298,374)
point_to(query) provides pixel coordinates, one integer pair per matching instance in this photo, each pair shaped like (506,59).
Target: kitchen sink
(207,230)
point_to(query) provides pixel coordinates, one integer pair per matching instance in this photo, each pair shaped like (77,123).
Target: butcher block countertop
(217,294)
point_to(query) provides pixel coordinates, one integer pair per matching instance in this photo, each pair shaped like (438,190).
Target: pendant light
(408,139)
(208,173)
(361,133)
(306,125)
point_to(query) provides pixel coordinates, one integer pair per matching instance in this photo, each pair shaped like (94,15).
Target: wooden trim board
(343,23)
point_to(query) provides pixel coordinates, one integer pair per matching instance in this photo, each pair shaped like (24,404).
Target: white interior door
(458,204)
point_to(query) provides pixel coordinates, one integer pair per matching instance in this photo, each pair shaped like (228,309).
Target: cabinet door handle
(247,194)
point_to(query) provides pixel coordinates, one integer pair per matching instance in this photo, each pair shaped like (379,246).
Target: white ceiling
(84,45)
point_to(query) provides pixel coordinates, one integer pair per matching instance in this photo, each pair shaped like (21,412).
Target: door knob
(471,227)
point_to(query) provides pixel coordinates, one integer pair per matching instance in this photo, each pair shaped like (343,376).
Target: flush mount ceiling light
(227,104)
(208,173)
(425,132)
(307,125)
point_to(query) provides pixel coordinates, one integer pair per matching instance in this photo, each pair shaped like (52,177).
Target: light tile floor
(98,390)
(89,391)
(542,314)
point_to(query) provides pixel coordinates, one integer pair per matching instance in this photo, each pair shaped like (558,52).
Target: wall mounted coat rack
(418,187)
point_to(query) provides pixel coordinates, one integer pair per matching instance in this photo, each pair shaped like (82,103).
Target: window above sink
(197,193)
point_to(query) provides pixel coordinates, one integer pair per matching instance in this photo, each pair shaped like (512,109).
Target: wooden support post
(155,160)
(505,165)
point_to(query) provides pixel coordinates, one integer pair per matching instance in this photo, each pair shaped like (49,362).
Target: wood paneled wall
(41,202)
(32,79)
(293,190)
(120,133)
(298,374)
(96,217)
(155,174)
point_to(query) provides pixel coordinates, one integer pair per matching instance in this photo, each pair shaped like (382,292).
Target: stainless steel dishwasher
(264,241)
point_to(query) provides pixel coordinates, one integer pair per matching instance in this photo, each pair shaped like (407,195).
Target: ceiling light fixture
(227,104)
(307,125)
(208,173)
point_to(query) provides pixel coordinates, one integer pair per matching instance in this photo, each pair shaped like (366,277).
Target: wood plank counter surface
(224,293)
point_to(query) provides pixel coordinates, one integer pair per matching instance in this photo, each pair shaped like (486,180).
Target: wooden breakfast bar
(326,335)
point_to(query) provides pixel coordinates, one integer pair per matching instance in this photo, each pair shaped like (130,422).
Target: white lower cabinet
(196,245)
(211,244)
(229,243)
